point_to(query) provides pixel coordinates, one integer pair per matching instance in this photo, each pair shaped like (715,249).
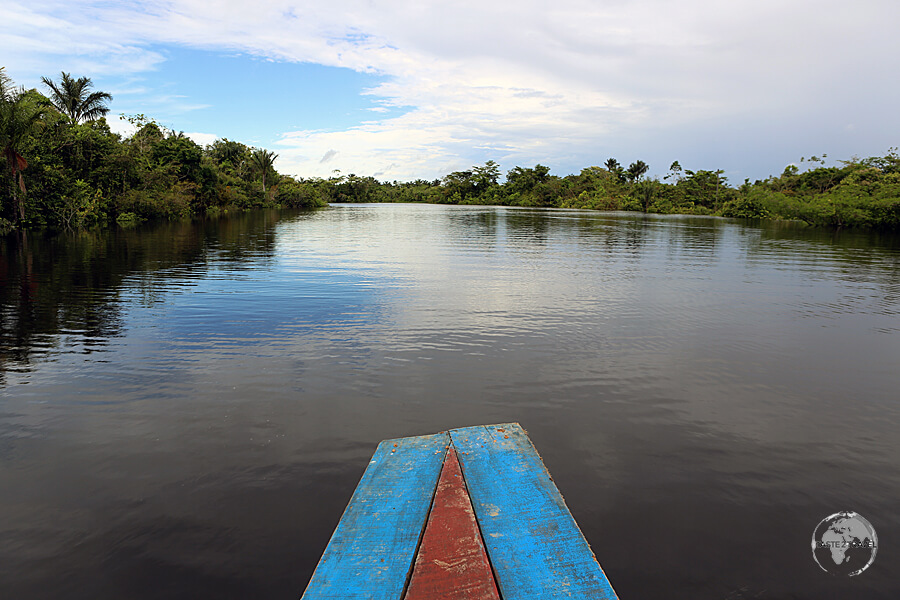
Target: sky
(403,90)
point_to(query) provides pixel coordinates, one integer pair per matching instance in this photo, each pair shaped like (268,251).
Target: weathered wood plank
(452,564)
(371,552)
(534,544)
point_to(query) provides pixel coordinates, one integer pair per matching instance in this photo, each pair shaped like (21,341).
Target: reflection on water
(63,292)
(185,409)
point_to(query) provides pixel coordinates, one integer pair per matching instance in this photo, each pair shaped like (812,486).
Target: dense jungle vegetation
(65,168)
(859,193)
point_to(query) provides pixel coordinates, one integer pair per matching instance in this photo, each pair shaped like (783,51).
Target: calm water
(186,409)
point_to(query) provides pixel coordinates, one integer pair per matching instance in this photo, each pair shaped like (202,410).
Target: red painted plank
(452,563)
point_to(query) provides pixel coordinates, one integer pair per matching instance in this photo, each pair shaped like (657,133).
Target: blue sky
(244,97)
(401,89)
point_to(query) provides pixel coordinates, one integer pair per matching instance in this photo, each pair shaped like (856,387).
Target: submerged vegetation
(64,167)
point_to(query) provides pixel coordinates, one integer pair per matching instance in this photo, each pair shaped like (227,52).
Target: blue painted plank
(371,552)
(534,544)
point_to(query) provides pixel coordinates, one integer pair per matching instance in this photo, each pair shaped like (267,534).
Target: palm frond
(6,85)
(70,97)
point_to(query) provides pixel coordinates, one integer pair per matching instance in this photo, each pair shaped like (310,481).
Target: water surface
(185,409)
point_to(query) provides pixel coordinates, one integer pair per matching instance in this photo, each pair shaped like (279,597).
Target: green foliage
(615,169)
(636,170)
(180,156)
(21,114)
(82,206)
(262,162)
(459,186)
(73,98)
(861,193)
(231,157)
(703,188)
(64,167)
(80,174)
(649,196)
(751,205)
(675,172)
(171,203)
(128,219)
(485,178)
(306,194)
(531,187)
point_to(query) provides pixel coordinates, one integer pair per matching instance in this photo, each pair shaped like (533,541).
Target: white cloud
(202,139)
(564,83)
(119,125)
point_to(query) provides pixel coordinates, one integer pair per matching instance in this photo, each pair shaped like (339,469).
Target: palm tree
(5,84)
(72,98)
(262,161)
(20,112)
(613,166)
(636,170)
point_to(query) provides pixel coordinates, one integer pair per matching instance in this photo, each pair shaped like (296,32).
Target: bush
(294,194)
(82,206)
(128,219)
(748,206)
(174,203)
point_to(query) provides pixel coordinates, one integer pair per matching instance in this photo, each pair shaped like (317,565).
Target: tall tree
(5,84)
(675,172)
(73,98)
(486,177)
(636,170)
(229,155)
(263,161)
(20,113)
(613,166)
(459,186)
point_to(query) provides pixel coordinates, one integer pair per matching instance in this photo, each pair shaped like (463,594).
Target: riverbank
(67,174)
(63,167)
(861,193)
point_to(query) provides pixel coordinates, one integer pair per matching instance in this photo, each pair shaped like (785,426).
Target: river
(185,409)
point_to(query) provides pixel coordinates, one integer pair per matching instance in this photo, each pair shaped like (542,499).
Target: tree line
(858,193)
(65,168)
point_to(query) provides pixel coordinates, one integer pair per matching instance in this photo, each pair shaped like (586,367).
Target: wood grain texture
(534,544)
(451,563)
(371,552)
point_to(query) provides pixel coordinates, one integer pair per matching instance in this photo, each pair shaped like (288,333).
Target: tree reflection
(64,291)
